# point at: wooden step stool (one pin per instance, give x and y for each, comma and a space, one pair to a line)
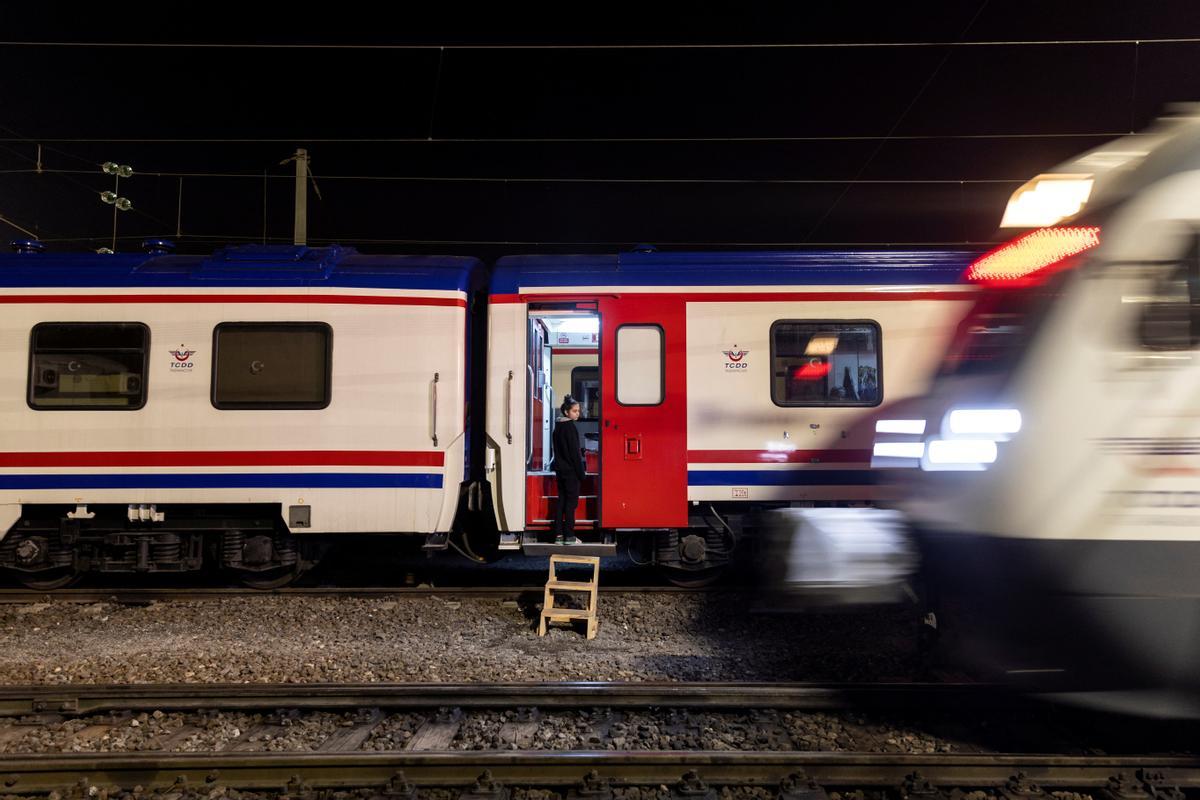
591, 587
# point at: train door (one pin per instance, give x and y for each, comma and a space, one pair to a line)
562, 359
538, 418
643, 428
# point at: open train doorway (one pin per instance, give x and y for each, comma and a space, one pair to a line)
563, 358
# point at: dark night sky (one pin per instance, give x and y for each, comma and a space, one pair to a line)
569, 148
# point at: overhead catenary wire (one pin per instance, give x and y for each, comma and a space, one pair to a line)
40, 169
557, 179
526, 242
442, 48
21, 228
599, 46
426, 140
895, 125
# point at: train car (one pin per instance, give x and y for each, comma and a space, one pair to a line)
160, 412
1056, 504
713, 386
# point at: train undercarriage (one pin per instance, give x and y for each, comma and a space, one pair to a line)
53, 546
50, 547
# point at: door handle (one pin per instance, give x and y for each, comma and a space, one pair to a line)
436, 375
529, 401
508, 405
633, 447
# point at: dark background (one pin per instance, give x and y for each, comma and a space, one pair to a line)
481, 132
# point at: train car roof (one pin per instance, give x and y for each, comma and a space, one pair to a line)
781, 268
248, 265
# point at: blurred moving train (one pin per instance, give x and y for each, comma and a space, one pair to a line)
1057, 500
161, 412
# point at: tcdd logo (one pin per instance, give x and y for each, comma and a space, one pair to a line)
735, 359
183, 358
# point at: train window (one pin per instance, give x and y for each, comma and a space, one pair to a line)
275, 365
639, 365
1170, 318
585, 387
819, 363
84, 366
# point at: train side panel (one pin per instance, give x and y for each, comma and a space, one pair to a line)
385, 455
743, 445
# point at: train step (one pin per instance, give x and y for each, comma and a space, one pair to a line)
532, 547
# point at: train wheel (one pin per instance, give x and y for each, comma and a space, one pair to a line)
50, 580
694, 579
270, 579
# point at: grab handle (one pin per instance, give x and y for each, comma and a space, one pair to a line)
508, 419
529, 439
436, 375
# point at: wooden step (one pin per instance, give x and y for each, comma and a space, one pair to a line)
591, 561
574, 586
568, 613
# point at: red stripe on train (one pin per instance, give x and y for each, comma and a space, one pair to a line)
742, 297
228, 458
335, 299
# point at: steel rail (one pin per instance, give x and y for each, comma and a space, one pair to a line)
132, 596
45, 773
95, 698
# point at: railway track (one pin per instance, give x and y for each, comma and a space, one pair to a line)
431, 756
94, 698
807, 775
134, 596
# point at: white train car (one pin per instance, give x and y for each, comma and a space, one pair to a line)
158, 412
713, 385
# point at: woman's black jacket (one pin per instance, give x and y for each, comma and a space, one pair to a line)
568, 459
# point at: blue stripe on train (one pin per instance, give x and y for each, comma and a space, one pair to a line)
784, 268
789, 477
229, 480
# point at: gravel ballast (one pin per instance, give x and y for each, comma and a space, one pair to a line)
590, 729
297, 639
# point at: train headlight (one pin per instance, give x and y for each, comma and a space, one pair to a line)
960, 454
897, 445
1047, 200
991, 423
969, 437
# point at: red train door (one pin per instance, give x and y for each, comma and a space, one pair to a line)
643, 410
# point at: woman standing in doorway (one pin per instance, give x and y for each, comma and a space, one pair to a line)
569, 469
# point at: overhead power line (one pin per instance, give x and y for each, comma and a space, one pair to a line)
534, 243
291, 140
21, 228
546, 179
639, 46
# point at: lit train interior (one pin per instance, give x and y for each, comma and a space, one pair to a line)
563, 358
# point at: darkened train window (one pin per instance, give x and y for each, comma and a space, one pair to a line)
284, 365
80, 366
585, 387
826, 363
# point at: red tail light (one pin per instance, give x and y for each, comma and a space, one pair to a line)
1028, 260
1016, 293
